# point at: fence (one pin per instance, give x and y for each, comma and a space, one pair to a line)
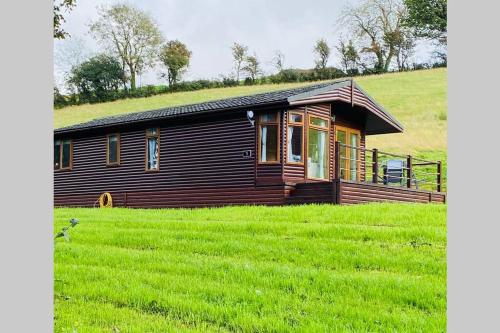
378, 167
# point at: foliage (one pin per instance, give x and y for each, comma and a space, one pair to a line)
131, 34
239, 52
349, 56
175, 57
97, 79
313, 268
405, 48
278, 60
379, 25
428, 18
252, 67
65, 230
59, 100
322, 51
59, 6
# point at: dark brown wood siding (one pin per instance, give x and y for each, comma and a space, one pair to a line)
203, 156
352, 192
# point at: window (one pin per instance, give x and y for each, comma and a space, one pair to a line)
63, 154
317, 148
268, 138
113, 149
349, 156
295, 138
153, 149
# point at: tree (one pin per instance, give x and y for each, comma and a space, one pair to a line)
97, 77
252, 67
379, 25
348, 56
239, 56
132, 35
175, 57
405, 48
279, 60
323, 52
428, 18
59, 6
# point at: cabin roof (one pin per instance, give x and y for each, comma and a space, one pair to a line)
281, 98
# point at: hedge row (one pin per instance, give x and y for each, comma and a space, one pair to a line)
284, 76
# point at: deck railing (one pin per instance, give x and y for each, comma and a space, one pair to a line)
371, 165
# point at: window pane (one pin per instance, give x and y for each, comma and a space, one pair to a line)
57, 154
317, 154
354, 157
295, 118
294, 144
268, 143
66, 154
112, 149
342, 138
268, 118
152, 131
319, 122
152, 153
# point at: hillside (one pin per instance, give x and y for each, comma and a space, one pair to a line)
418, 99
363, 268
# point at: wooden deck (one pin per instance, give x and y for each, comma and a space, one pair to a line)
349, 192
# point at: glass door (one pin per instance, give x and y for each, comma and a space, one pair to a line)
349, 156
317, 148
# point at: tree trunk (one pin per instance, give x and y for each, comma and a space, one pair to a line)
132, 78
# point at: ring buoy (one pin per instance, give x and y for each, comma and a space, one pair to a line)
105, 200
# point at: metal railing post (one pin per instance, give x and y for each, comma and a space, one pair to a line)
439, 177
375, 166
408, 171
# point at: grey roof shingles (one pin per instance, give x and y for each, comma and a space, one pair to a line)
263, 99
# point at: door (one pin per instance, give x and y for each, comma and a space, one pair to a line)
318, 131
350, 160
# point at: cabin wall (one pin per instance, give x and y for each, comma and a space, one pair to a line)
201, 163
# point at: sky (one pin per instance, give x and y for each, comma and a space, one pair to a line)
209, 28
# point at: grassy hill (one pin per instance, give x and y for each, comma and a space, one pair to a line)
417, 99
364, 268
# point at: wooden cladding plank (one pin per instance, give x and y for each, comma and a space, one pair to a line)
197, 153
362, 193
188, 198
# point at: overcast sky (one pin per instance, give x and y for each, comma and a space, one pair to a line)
209, 27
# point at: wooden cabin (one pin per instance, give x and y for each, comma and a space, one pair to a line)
302, 145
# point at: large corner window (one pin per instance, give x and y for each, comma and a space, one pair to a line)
317, 148
113, 149
295, 138
268, 138
152, 149
349, 155
63, 154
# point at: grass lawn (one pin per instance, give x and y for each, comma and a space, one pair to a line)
376, 268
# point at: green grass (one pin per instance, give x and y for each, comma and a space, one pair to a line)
376, 268
418, 99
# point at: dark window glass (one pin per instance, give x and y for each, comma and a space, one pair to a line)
112, 149
57, 154
66, 154
268, 118
295, 118
269, 143
152, 153
295, 144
